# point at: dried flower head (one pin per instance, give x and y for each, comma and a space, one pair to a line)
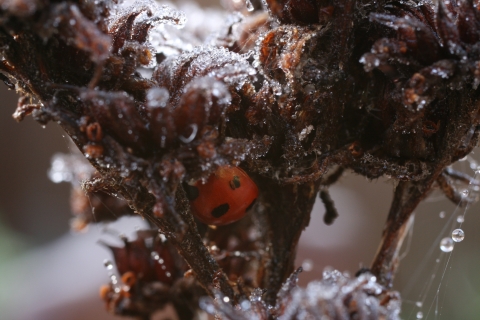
294, 92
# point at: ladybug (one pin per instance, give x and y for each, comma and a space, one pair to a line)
224, 198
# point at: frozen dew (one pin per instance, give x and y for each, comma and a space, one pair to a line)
460, 219
113, 279
157, 97
441, 214
152, 12
108, 264
207, 305
307, 265
305, 132
162, 237
473, 164
69, 168
319, 300
419, 315
245, 304
458, 235
446, 245
59, 171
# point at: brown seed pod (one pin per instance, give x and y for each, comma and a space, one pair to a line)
129, 278
94, 132
356, 149
93, 151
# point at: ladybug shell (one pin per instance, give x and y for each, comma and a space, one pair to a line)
225, 198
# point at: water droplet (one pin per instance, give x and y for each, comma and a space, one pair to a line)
460, 219
419, 304
441, 214
226, 299
465, 193
162, 237
157, 97
108, 264
419, 315
307, 265
168, 274
446, 245
458, 235
154, 255
245, 304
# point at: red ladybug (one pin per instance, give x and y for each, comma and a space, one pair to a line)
225, 198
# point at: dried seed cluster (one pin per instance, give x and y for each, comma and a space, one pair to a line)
294, 92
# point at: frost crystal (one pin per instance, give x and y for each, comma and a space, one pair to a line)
336, 296
69, 168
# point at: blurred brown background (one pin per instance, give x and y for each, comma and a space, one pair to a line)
48, 273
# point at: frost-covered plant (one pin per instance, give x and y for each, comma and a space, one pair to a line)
294, 92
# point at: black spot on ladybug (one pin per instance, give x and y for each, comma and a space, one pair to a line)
191, 191
220, 210
235, 183
251, 204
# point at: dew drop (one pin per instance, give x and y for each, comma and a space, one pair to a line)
419, 315
108, 264
460, 219
162, 237
226, 299
458, 235
154, 255
307, 265
441, 214
157, 97
245, 304
419, 304
446, 245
